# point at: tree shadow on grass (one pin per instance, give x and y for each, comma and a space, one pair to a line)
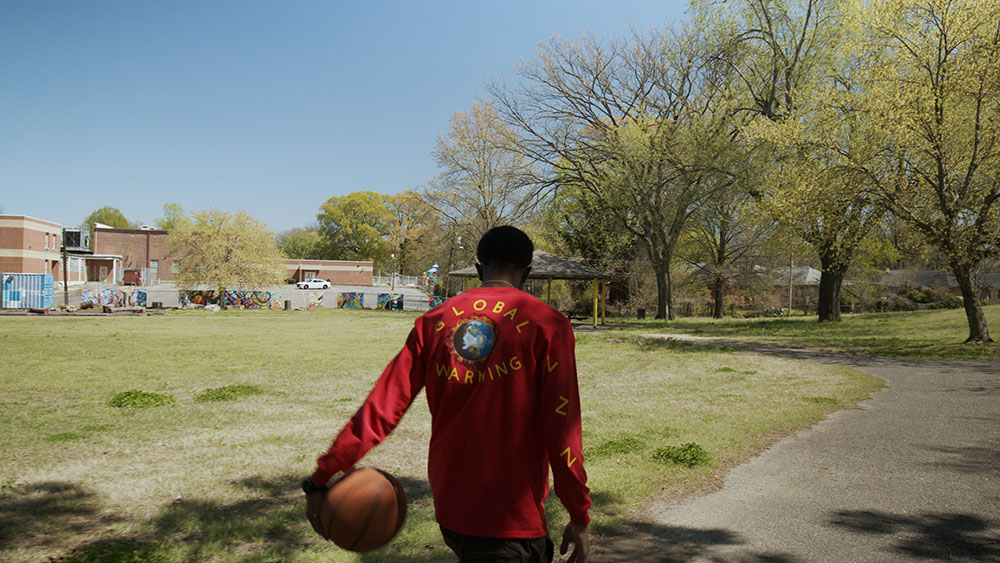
31, 515
937, 536
268, 525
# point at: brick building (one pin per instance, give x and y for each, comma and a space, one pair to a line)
143, 250
30, 246
339, 272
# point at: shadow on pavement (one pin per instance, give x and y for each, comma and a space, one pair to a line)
644, 542
983, 460
937, 536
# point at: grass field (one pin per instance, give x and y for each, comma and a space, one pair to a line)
922, 334
255, 396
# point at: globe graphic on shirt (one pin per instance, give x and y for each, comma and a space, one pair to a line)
474, 340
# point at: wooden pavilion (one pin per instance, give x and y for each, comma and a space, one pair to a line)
546, 266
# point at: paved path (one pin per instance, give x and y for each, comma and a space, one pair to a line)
912, 476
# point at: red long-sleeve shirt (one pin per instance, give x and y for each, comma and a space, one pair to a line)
500, 373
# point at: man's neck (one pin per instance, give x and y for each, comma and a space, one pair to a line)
502, 278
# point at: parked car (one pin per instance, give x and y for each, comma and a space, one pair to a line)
314, 283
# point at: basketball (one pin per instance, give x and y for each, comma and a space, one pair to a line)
363, 510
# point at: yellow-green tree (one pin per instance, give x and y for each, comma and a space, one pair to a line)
224, 251
932, 88
416, 235
173, 217
796, 64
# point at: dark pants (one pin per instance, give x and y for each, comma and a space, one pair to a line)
476, 549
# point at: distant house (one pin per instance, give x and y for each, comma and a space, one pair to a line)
804, 284
989, 284
339, 272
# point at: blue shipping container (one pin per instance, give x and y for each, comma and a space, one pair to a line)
27, 291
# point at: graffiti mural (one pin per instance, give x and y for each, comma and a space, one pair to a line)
199, 297
244, 299
139, 297
436, 300
390, 301
110, 297
351, 300
316, 300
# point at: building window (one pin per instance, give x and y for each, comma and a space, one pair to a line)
175, 266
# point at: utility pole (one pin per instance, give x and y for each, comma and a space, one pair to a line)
65, 272
790, 266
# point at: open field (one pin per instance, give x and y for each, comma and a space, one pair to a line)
81, 480
920, 334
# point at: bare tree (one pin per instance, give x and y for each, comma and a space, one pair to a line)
484, 181
637, 124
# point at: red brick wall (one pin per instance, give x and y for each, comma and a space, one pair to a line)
130, 244
339, 272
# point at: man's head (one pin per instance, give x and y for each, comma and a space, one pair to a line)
504, 253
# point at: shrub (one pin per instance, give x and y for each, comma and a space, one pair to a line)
227, 393
689, 454
821, 400
948, 302
135, 399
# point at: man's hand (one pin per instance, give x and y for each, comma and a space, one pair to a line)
314, 502
578, 536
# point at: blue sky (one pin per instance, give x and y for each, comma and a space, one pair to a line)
270, 107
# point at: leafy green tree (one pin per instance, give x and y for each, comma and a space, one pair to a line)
304, 244
356, 227
107, 215
173, 217
226, 251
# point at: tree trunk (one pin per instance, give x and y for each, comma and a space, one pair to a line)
978, 331
662, 291
720, 298
670, 292
829, 289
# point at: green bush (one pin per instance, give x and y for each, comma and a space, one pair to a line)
948, 302
821, 400
227, 393
621, 445
689, 454
135, 399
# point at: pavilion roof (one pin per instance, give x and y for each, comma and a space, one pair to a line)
545, 265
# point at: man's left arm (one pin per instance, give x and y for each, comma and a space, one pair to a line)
561, 424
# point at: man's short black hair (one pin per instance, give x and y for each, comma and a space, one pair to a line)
505, 246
